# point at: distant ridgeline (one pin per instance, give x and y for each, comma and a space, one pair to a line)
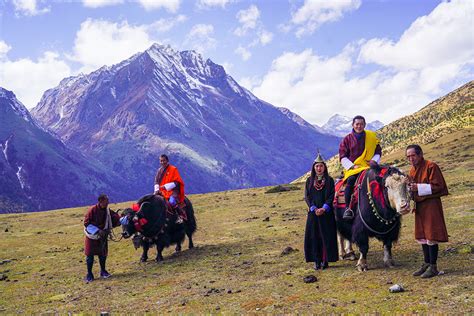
441, 117
118, 120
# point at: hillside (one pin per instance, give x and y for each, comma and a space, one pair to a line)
238, 266
38, 172
218, 134
451, 114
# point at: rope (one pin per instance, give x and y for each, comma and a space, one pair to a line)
365, 224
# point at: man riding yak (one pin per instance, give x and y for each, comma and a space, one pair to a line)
357, 152
168, 183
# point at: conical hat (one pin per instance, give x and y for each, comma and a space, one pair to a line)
319, 158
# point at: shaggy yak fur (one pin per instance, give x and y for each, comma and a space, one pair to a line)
161, 228
357, 230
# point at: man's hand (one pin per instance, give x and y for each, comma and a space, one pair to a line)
373, 164
102, 234
413, 187
354, 167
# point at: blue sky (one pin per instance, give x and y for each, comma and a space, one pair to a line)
382, 59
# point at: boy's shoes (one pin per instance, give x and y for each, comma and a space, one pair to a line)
89, 278
104, 274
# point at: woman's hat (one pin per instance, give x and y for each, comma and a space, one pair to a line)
319, 158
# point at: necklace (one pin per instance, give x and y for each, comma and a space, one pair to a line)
319, 183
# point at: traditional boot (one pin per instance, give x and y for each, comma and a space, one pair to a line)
430, 272
421, 270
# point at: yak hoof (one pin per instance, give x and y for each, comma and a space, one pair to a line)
143, 259
389, 263
159, 259
178, 248
362, 267
191, 246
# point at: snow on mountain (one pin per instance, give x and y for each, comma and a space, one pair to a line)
165, 101
340, 125
38, 172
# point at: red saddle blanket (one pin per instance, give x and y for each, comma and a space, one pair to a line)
339, 200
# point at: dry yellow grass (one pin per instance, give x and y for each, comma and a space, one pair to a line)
237, 266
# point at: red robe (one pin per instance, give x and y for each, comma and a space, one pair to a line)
170, 174
97, 216
429, 218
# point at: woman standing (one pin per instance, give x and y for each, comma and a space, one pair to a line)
320, 241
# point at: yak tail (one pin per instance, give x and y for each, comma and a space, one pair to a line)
191, 224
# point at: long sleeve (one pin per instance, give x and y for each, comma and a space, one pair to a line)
306, 192
436, 180
330, 192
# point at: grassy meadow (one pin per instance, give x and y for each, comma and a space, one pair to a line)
237, 265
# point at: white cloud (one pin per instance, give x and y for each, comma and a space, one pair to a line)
248, 19
243, 52
29, 79
4, 48
409, 73
169, 5
100, 3
442, 38
28, 8
100, 42
314, 13
164, 25
200, 38
213, 3
265, 37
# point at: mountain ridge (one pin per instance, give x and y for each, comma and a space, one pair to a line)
218, 134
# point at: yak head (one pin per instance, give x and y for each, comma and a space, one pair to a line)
128, 226
396, 185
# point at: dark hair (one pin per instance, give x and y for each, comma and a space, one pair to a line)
417, 149
358, 117
313, 173
164, 156
102, 197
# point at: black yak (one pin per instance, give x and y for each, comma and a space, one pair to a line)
382, 198
159, 227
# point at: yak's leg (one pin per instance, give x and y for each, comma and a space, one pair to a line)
159, 253
144, 256
341, 243
178, 246
387, 255
190, 237
364, 249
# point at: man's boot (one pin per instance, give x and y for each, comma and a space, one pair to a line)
430, 272
421, 270
348, 214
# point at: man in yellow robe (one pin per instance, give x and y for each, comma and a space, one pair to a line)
357, 151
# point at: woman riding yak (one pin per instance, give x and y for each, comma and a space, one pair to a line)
320, 241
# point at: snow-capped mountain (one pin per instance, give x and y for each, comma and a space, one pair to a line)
340, 125
217, 133
38, 172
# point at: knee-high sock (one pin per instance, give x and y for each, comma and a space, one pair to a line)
426, 253
90, 263
433, 253
102, 262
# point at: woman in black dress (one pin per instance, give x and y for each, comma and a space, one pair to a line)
320, 240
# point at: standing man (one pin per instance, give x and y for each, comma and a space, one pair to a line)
98, 223
428, 186
169, 184
358, 151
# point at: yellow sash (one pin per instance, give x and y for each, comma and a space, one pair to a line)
371, 142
